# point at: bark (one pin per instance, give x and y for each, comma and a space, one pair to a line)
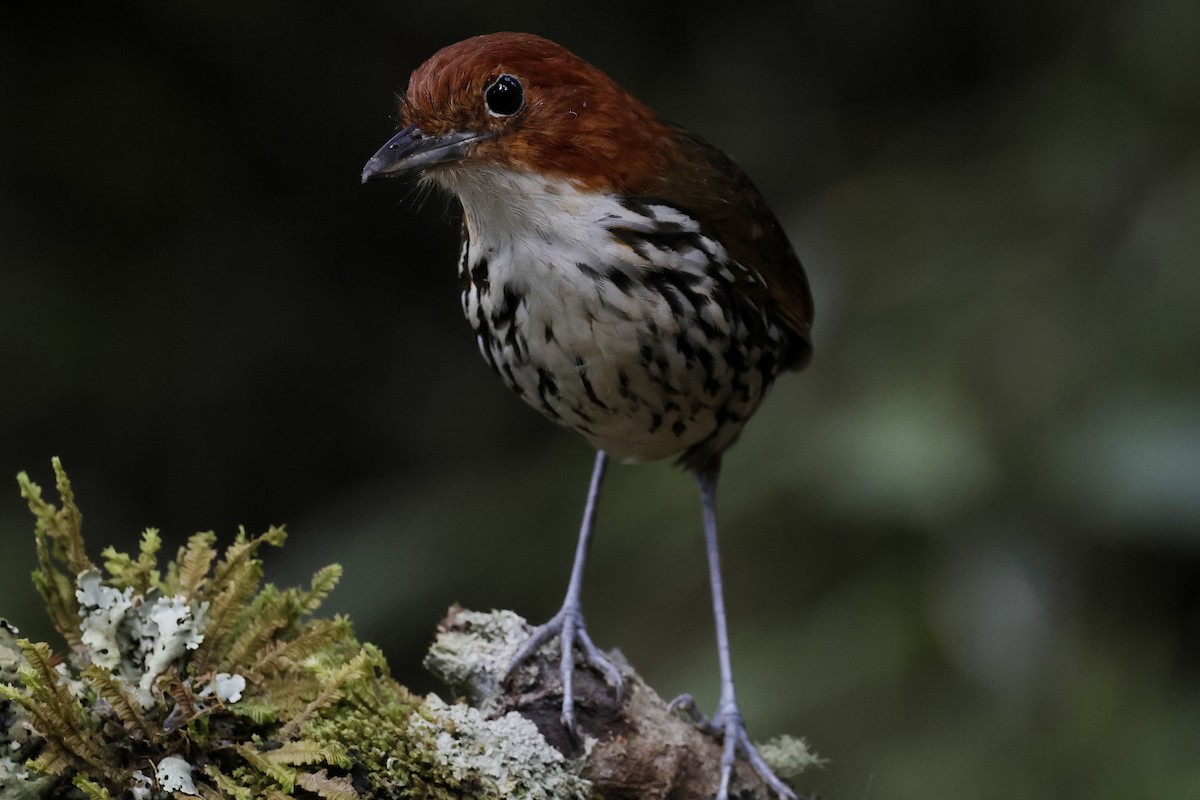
638, 748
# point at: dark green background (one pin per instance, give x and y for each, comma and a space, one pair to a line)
963, 549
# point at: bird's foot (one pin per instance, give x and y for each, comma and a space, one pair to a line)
729, 729
569, 627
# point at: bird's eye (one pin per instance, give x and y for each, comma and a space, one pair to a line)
504, 97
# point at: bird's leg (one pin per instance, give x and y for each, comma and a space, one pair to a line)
568, 623
727, 723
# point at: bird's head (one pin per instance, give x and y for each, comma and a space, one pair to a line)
522, 103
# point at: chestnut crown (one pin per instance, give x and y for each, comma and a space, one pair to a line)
533, 105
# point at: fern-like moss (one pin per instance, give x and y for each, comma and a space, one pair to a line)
193, 678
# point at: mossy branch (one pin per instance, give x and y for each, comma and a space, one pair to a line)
193, 679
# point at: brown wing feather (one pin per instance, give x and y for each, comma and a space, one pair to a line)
706, 182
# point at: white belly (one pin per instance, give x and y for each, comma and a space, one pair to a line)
628, 341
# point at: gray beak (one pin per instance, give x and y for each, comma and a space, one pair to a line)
411, 151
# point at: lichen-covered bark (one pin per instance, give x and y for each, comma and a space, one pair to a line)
639, 749
191, 678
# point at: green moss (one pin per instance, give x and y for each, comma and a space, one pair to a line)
193, 678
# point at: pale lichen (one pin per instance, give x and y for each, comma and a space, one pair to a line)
506, 755
135, 637
168, 628
175, 775
192, 678
228, 688
142, 787
789, 756
471, 655
102, 612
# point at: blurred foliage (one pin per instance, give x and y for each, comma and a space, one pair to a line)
964, 546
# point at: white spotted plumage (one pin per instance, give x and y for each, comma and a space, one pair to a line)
600, 312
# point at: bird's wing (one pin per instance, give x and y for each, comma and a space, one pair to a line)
710, 186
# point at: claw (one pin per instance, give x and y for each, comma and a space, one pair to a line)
602, 664
727, 727
686, 704
569, 627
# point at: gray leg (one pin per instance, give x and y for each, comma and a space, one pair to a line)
727, 722
568, 623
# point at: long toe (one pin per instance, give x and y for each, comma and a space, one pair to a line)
537, 637
602, 664
686, 704
735, 739
568, 626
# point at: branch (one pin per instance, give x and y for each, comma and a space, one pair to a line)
639, 749
195, 680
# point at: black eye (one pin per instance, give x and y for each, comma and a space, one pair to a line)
505, 96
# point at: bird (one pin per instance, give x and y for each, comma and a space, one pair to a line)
622, 275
